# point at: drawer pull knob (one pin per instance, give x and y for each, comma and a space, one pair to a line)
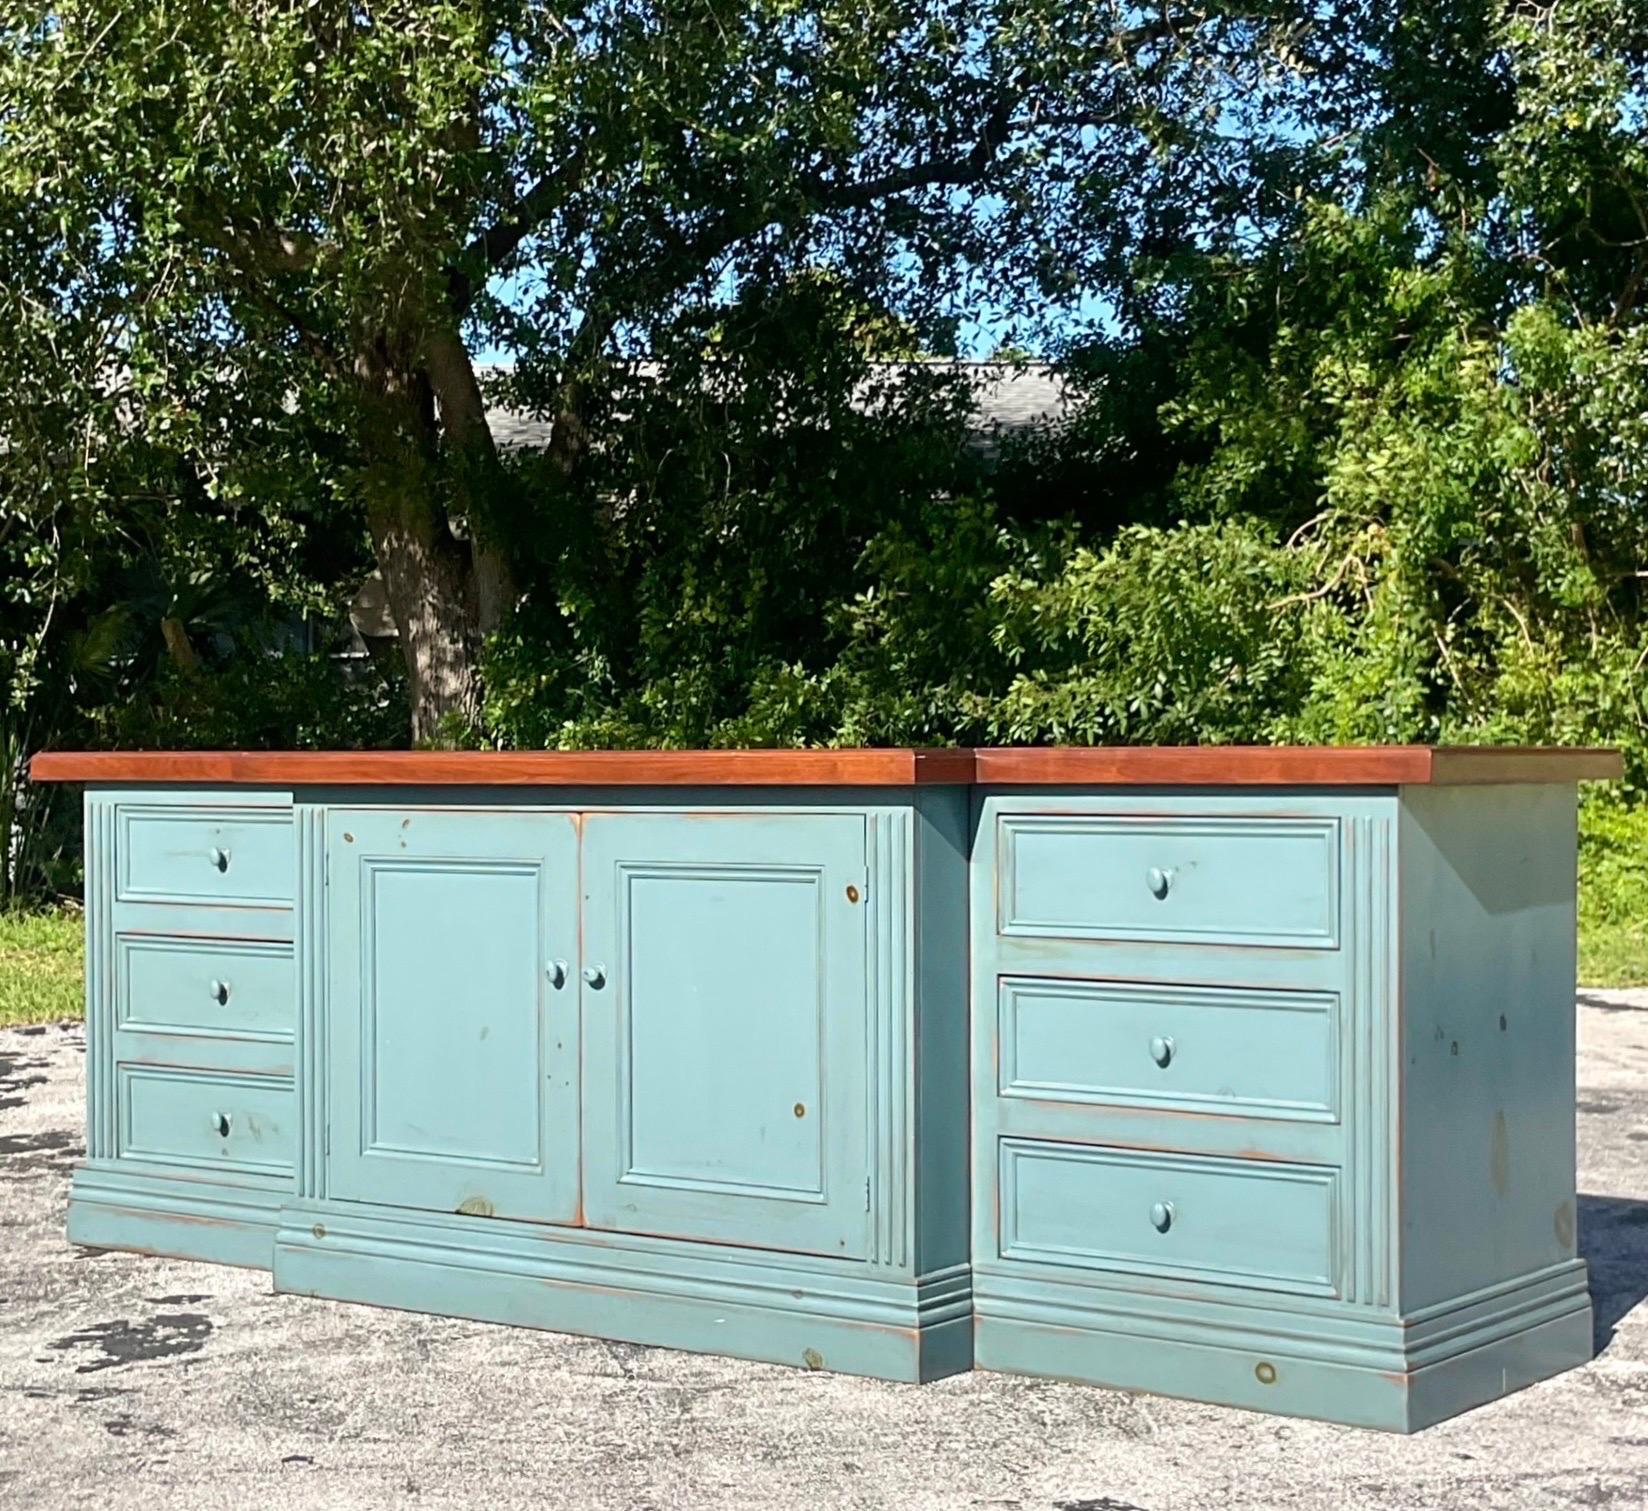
220, 858
595, 976
1161, 1216
220, 992
1161, 1050
220, 1124
1158, 881
557, 972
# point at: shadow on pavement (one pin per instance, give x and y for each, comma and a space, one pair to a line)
1613, 1241
1608, 1004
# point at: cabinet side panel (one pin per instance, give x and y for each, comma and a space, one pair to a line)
941, 970
1487, 887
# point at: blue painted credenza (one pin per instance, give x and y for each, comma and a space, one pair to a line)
1245, 1075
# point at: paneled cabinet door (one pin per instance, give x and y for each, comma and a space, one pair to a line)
725, 1051
453, 1011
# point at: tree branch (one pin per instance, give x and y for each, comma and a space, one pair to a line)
310, 339
494, 246
491, 248
932, 173
265, 249
451, 374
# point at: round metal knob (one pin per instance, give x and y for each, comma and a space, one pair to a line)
557, 972
595, 975
220, 1124
219, 992
220, 858
1161, 1216
1161, 1050
1158, 881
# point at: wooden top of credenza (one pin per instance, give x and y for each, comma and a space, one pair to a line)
1294, 765
1058, 766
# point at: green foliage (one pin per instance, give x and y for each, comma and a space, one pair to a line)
41, 966
745, 475
1399, 523
287, 701
1374, 476
262, 242
1613, 895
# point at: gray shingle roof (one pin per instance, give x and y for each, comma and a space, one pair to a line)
1007, 397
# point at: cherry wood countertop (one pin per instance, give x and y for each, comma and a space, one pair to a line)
1059, 766
1294, 765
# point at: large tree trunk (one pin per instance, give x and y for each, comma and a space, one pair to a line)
475, 458
428, 571
426, 579
428, 509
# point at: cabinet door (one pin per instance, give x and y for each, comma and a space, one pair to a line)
724, 998
453, 1049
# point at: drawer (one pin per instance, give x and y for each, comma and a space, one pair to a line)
215, 854
1220, 1050
1230, 1221
1193, 879
242, 1124
242, 988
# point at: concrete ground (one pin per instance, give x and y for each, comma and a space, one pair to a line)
127, 1381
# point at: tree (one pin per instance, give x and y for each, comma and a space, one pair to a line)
1403, 439
260, 229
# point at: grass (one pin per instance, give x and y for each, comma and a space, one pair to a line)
40, 966
40, 952
1613, 954
1613, 894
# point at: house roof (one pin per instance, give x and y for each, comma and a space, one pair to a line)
1008, 397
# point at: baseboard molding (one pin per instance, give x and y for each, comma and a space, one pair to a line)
188, 1217
698, 1297
1299, 1357
1397, 1374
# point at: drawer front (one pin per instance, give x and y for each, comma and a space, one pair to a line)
242, 1124
241, 988
1270, 881
1237, 1222
237, 856
1214, 1050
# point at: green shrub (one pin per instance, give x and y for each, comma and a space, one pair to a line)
1613, 894
260, 701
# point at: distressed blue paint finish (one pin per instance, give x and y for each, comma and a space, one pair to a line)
231, 855
1232, 1222
1177, 1048
922, 933
1371, 998
724, 1044
214, 1216
1486, 970
191, 1128
239, 1124
1247, 878
452, 1052
757, 1304
1270, 1102
234, 988
731, 1223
